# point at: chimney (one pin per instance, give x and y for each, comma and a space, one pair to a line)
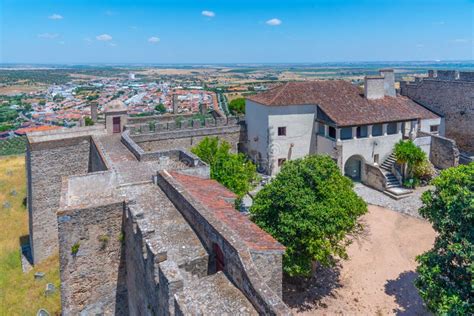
94, 112
374, 87
388, 82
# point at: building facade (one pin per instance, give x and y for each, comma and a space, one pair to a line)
356, 128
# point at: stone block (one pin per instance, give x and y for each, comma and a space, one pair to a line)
184, 124
50, 289
232, 120
221, 121
39, 275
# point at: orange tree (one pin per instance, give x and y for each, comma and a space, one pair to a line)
310, 207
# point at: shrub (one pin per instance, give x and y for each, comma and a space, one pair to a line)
409, 156
424, 171
310, 208
237, 106
445, 272
88, 121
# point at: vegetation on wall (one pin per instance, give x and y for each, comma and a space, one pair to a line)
234, 171
310, 208
446, 271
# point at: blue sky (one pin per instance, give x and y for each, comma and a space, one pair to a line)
226, 31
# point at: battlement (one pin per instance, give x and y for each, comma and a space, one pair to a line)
184, 124
451, 75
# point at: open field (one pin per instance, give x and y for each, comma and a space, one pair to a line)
20, 294
19, 89
377, 279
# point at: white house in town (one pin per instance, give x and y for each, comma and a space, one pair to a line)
357, 128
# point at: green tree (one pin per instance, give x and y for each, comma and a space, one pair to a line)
445, 272
88, 121
160, 108
234, 171
237, 106
310, 208
409, 156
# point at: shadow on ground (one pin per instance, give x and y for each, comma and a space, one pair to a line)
304, 294
406, 295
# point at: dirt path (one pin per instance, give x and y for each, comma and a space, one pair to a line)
378, 277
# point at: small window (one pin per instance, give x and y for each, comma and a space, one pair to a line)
282, 131
377, 130
434, 128
391, 128
376, 158
361, 131
346, 133
332, 132
281, 161
321, 129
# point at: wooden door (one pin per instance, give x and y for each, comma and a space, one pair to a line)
219, 258
116, 124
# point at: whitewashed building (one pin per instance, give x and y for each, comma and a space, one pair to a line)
358, 129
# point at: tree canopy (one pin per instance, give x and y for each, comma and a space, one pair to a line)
237, 106
310, 208
409, 155
445, 272
234, 171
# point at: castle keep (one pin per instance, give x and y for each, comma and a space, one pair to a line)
140, 227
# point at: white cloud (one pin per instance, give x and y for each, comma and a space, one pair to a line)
48, 35
274, 22
420, 45
113, 44
55, 16
104, 37
461, 40
209, 14
153, 40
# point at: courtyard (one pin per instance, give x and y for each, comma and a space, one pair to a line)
377, 279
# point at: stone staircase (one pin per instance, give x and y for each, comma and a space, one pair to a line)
393, 186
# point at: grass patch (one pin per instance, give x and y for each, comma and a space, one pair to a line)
20, 294
13, 146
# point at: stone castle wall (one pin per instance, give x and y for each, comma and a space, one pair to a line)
155, 136
451, 94
258, 274
93, 279
46, 164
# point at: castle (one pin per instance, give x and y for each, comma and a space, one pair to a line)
140, 227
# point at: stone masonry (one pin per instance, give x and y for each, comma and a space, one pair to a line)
142, 230
450, 94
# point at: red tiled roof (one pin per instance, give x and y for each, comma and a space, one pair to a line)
215, 197
23, 131
343, 102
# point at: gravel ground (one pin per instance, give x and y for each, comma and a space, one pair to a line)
377, 279
408, 205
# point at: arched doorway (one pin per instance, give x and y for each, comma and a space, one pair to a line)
353, 167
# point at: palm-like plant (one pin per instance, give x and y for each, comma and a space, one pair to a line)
408, 155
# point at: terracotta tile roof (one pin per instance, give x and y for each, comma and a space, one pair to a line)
216, 198
23, 131
343, 102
